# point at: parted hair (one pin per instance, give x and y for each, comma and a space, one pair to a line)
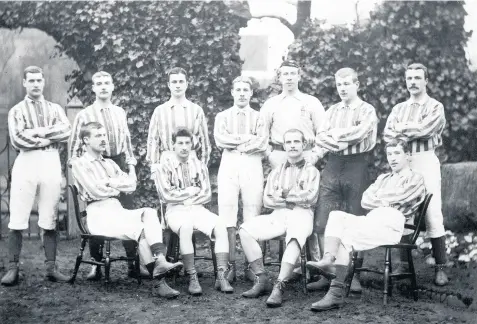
100, 74
181, 132
176, 70
399, 142
32, 69
418, 66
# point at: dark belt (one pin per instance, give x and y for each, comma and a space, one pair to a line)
49, 147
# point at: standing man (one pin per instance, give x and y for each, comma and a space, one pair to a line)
421, 120
292, 191
177, 112
36, 128
292, 109
118, 148
242, 136
349, 135
99, 182
392, 199
182, 181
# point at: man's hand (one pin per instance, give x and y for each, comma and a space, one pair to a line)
43, 142
241, 148
192, 191
132, 172
41, 131
399, 127
335, 133
245, 138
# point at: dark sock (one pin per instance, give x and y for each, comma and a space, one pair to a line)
341, 273
189, 263
257, 267
158, 248
150, 267
49, 243
222, 260
95, 248
439, 249
15, 240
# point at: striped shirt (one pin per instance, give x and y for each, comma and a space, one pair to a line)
300, 111
233, 123
403, 191
297, 182
354, 127
117, 132
423, 124
172, 177
91, 173
29, 114
166, 118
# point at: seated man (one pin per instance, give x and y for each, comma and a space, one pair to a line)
182, 182
291, 190
99, 183
392, 199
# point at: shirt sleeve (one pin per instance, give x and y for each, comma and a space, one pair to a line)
259, 142
122, 181
19, 135
167, 190
433, 122
307, 193
204, 137
88, 185
408, 196
129, 152
205, 193
223, 139
370, 200
356, 134
153, 153
60, 129
74, 142
272, 191
390, 131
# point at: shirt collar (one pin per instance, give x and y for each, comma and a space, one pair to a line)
176, 162
420, 102
95, 105
403, 173
298, 95
31, 100
353, 106
90, 158
183, 104
299, 164
236, 110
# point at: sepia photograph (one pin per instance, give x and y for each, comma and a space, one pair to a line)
238, 161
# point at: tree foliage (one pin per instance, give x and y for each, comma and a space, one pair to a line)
138, 42
398, 33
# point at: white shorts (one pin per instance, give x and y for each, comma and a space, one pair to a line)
35, 171
108, 218
296, 223
381, 226
197, 215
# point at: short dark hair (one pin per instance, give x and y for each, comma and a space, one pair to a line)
295, 130
32, 69
418, 66
86, 129
176, 70
290, 63
243, 79
399, 142
181, 132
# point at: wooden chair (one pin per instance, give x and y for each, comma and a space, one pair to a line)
173, 245
388, 275
304, 256
86, 236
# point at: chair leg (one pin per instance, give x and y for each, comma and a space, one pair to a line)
193, 244
79, 258
137, 265
281, 250
107, 263
214, 259
387, 262
351, 271
413, 275
303, 266
390, 288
